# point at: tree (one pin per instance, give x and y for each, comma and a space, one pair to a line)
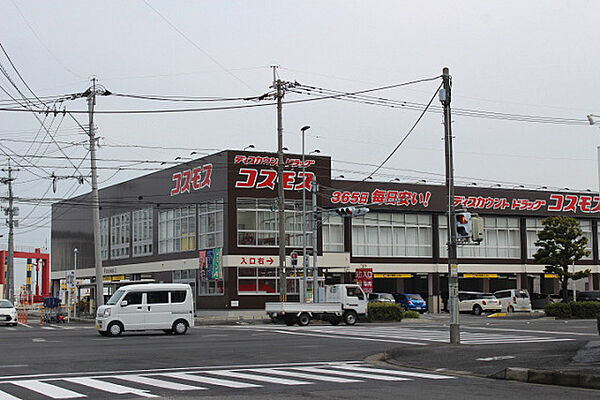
561, 243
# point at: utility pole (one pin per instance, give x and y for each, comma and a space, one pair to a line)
315, 274
277, 84
10, 265
91, 99
445, 98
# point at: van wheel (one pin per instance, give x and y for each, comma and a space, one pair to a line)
180, 327
477, 309
511, 309
350, 317
304, 319
115, 329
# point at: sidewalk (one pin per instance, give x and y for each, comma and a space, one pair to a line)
568, 363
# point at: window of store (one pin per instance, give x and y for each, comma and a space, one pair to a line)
142, 232
263, 280
177, 230
120, 236
210, 224
257, 223
333, 234
104, 238
534, 226
502, 239
392, 235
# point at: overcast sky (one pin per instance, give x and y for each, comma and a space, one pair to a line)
537, 58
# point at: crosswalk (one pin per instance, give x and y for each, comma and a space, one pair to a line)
406, 335
156, 383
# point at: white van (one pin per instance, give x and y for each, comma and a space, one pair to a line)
165, 306
514, 300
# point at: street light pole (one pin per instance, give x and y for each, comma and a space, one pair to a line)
75, 251
304, 259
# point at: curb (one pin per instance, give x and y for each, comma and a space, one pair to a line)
526, 375
547, 377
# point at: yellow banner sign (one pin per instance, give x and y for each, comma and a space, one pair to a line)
550, 276
392, 275
480, 275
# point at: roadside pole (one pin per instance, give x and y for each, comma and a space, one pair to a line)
315, 274
445, 98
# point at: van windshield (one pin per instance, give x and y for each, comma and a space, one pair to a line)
115, 297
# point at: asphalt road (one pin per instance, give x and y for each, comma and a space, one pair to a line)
270, 361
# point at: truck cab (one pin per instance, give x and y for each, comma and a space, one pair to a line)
351, 297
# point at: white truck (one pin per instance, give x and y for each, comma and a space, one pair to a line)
343, 302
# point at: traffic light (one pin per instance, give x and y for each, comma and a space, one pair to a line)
477, 225
464, 227
294, 258
352, 211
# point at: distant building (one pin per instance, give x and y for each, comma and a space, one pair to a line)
212, 222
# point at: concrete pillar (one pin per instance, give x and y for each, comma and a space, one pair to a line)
486, 285
434, 295
399, 285
519, 281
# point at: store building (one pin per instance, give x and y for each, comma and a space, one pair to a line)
212, 222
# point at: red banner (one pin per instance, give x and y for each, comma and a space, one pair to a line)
364, 279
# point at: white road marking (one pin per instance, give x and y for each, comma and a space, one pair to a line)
48, 390
109, 387
531, 331
351, 337
241, 375
391, 372
6, 396
355, 374
157, 382
495, 358
38, 340
302, 375
211, 381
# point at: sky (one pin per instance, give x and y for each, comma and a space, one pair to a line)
535, 58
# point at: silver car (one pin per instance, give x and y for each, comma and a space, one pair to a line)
8, 313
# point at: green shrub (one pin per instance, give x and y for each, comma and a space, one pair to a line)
411, 314
560, 310
585, 309
384, 312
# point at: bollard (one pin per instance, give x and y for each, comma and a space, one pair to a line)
41, 317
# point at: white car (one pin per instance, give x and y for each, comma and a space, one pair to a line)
477, 303
165, 306
514, 300
8, 313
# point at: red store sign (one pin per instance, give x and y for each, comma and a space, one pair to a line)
196, 179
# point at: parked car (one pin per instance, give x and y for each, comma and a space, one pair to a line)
514, 300
539, 300
8, 313
590, 295
381, 298
411, 302
477, 302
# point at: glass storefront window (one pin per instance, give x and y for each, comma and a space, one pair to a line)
392, 235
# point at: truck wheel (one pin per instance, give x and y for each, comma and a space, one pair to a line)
304, 319
289, 320
350, 317
180, 327
477, 309
114, 329
335, 321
